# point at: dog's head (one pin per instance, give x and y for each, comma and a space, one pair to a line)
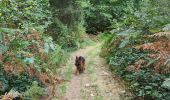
77, 62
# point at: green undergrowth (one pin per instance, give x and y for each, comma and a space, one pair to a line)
91, 63
144, 83
67, 71
86, 42
90, 70
35, 39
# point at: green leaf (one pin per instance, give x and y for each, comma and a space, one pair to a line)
124, 43
148, 87
166, 83
8, 30
3, 48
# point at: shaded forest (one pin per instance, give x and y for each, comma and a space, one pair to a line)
37, 37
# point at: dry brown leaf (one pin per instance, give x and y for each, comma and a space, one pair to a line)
44, 78
7, 97
162, 47
1, 58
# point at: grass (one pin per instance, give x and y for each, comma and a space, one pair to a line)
90, 70
98, 98
68, 72
68, 69
62, 89
91, 73
86, 42
67, 76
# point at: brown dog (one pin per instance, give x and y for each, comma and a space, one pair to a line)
80, 64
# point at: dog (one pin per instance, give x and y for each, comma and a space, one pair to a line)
80, 64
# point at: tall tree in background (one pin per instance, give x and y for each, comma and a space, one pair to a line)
68, 20
145, 15
98, 16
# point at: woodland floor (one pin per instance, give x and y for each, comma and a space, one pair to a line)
97, 83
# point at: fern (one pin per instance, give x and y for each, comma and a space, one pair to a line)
8, 30
166, 83
166, 28
34, 91
3, 48
124, 43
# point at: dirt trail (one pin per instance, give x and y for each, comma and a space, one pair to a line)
97, 83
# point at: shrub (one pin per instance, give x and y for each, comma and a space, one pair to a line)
137, 66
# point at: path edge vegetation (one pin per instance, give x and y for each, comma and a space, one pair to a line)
36, 35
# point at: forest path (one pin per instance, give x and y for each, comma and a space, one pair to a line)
97, 83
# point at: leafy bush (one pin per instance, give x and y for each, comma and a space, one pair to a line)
141, 76
146, 84
97, 16
20, 82
33, 92
26, 53
85, 42
68, 21
148, 16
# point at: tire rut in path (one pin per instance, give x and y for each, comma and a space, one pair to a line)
74, 88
